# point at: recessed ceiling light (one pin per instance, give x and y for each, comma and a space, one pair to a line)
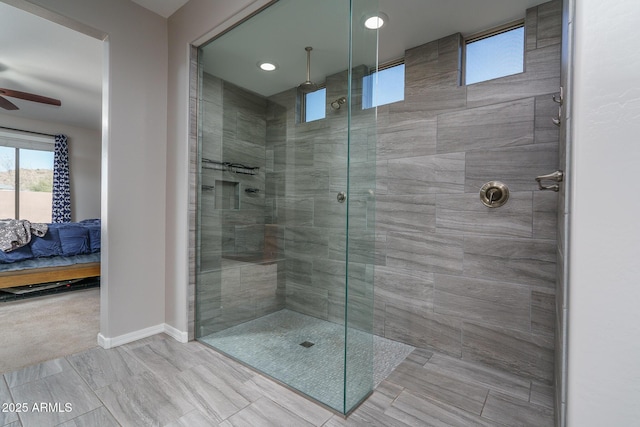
377, 21
267, 66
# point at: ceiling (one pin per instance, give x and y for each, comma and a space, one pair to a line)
41, 57
164, 8
48, 59
281, 32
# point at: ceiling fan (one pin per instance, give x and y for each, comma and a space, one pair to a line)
8, 105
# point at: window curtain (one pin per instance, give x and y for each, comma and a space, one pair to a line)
61, 210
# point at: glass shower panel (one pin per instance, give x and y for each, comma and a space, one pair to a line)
361, 183
284, 277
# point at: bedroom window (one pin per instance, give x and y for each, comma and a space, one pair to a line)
26, 177
496, 53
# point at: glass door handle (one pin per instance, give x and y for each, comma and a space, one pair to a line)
342, 196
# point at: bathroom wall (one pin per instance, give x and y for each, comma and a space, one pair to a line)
236, 282
453, 275
306, 169
450, 274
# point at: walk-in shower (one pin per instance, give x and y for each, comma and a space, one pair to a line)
285, 223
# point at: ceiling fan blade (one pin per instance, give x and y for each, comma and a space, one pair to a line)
7, 105
29, 97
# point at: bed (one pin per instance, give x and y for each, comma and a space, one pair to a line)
67, 251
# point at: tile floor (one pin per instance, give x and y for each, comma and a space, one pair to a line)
160, 382
272, 344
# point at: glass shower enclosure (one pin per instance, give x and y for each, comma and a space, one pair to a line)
286, 181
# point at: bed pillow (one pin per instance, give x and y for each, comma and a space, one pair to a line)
16, 255
48, 245
93, 225
74, 239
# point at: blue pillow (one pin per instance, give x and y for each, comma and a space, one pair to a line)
16, 255
48, 245
74, 239
94, 236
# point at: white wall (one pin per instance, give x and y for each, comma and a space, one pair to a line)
134, 160
192, 24
604, 251
85, 147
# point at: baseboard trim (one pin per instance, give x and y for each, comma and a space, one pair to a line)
106, 342
176, 334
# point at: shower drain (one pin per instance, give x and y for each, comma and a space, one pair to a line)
306, 344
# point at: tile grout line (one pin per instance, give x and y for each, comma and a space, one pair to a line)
90, 388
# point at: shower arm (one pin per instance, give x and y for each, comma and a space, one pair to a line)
308, 49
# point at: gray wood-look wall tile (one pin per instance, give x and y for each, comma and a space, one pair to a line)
545, 215
497, 303
525, 354
546, 110
294, 211
524, 261
365, 247
407, 135
492, 126
549, 25
433, 94
438, 253
423, 328
306, 241
426, 174
328, 274
308, 300
542, 394
510, 411
404, 288
531, 29
543, 320
517, 167
405, 213
465, 213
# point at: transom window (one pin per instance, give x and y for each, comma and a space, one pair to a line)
495, 54
314, 105
384, 86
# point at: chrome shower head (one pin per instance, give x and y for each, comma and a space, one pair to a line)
338, 102
308, 85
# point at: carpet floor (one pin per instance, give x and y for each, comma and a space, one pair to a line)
48, 327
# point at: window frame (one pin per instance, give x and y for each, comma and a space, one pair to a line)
520, 23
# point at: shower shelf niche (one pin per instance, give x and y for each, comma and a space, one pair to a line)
229, 167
